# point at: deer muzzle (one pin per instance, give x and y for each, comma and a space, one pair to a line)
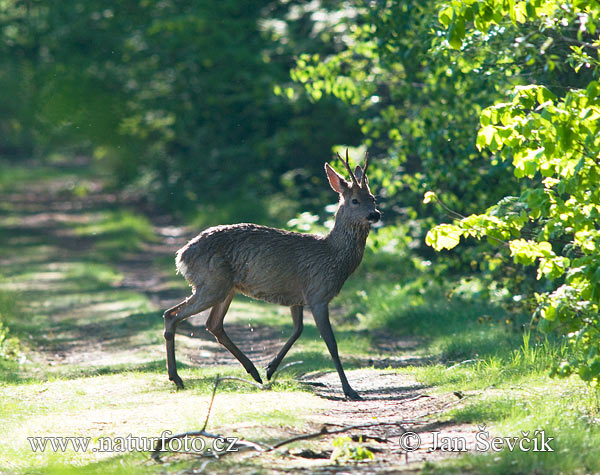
374, 216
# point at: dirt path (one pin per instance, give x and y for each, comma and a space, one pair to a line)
48, 212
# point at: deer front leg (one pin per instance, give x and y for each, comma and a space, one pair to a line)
321, 315
297, 318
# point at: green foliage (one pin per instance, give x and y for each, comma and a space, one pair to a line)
176, 97
552, 142
417, 106
345, 450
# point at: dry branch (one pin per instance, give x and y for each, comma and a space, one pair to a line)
324, 431
241, 444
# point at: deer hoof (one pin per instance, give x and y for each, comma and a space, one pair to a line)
256, 376
270, 371
352, 395
178, 382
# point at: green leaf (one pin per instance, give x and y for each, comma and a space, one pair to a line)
593, 90
445, 16
520, 12
549, 313
545, 95
486, 135
456, 32
429, 196
443, 236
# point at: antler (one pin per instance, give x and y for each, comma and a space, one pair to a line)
364, 173
345, 162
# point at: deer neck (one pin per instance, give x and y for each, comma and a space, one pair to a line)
348, 242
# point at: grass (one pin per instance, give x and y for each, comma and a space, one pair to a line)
520, 405
512, 394
116, 405
117, 232
501, 370
15, 175
120, 397
452, 328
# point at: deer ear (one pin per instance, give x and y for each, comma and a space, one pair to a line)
337, 183
358, 173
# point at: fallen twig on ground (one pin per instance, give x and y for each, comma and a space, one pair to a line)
241, 444
325, 431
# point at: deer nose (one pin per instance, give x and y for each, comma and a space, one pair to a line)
374, 216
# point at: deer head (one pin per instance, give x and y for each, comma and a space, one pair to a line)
357, 204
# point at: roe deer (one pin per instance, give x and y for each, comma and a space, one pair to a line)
282, 267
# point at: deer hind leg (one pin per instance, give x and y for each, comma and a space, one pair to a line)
214, 325
298, 326
196, 303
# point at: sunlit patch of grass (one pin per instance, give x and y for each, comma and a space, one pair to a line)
527, 364
15, 175
63, 309
502, 373
121, 464
67, 303
122, 404
567, 412
452, 329
513, 394
117, 232
73, 276
93, 274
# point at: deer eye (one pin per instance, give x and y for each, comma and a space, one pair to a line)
354, 201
